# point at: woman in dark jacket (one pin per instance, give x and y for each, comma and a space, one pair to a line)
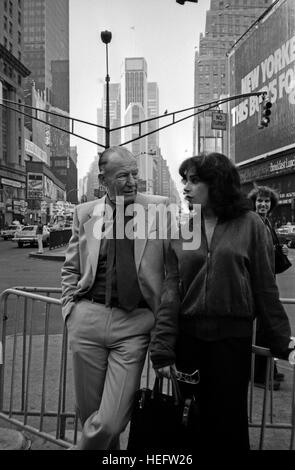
211, 296
264, 201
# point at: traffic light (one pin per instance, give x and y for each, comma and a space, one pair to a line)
264, 113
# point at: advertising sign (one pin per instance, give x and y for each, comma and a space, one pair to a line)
50, 189
16, 206
35, 186
264, 61
13, 183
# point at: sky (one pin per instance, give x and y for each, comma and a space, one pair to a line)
165, 33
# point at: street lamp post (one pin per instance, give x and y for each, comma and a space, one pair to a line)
106, 37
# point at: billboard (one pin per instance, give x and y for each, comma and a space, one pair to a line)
35, 186
264, 61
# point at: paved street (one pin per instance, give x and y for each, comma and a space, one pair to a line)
17, 269
20, 269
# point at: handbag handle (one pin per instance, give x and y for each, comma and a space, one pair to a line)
158, 385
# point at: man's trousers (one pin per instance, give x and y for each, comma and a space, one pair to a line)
109, 348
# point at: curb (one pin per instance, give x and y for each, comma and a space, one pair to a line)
54, 257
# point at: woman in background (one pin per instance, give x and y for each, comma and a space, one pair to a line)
264, 200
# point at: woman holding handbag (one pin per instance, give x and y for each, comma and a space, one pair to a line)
211, 296
264, 200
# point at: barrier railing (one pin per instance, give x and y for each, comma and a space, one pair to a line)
269, 419
59, 238
36, 380
34, 363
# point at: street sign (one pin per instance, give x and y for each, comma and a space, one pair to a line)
219, 120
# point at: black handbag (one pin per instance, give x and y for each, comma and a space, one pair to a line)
282, 262
161, 421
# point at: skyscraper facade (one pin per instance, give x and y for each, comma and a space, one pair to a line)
46, 39
46, 53
134, 108
226, 21
12, 74
115, 115
153, 111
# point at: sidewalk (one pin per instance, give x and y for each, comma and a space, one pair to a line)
57, 254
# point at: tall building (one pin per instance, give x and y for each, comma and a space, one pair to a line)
226, 21
163, 183
46, 53
153, 111
82, 189
12, 149
134, 108
100, 132
115, 115
92, 185
46, 39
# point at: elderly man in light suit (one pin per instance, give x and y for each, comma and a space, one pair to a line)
111, 289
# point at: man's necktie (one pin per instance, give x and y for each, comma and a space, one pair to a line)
129, 294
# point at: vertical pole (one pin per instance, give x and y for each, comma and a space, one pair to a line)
107, 121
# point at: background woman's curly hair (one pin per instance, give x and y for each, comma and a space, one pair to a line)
221, 176
264, 191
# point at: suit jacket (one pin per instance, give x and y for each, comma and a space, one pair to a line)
79, 269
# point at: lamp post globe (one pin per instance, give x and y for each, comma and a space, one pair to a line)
106, 37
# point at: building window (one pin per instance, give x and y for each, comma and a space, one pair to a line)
10, 28
20, 160
19, 80
10, 8
19, 18
5, 23
19, 37
19, 56
20, 142
5, 42
5, 5
10, 47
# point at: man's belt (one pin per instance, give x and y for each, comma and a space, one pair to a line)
114, 302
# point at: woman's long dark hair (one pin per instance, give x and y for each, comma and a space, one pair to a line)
220, 174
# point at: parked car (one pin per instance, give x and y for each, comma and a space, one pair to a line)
8, 233
28, 235
286, 235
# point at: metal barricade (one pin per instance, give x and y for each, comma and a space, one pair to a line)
264, 412
59, 238
36, 380
33, 369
